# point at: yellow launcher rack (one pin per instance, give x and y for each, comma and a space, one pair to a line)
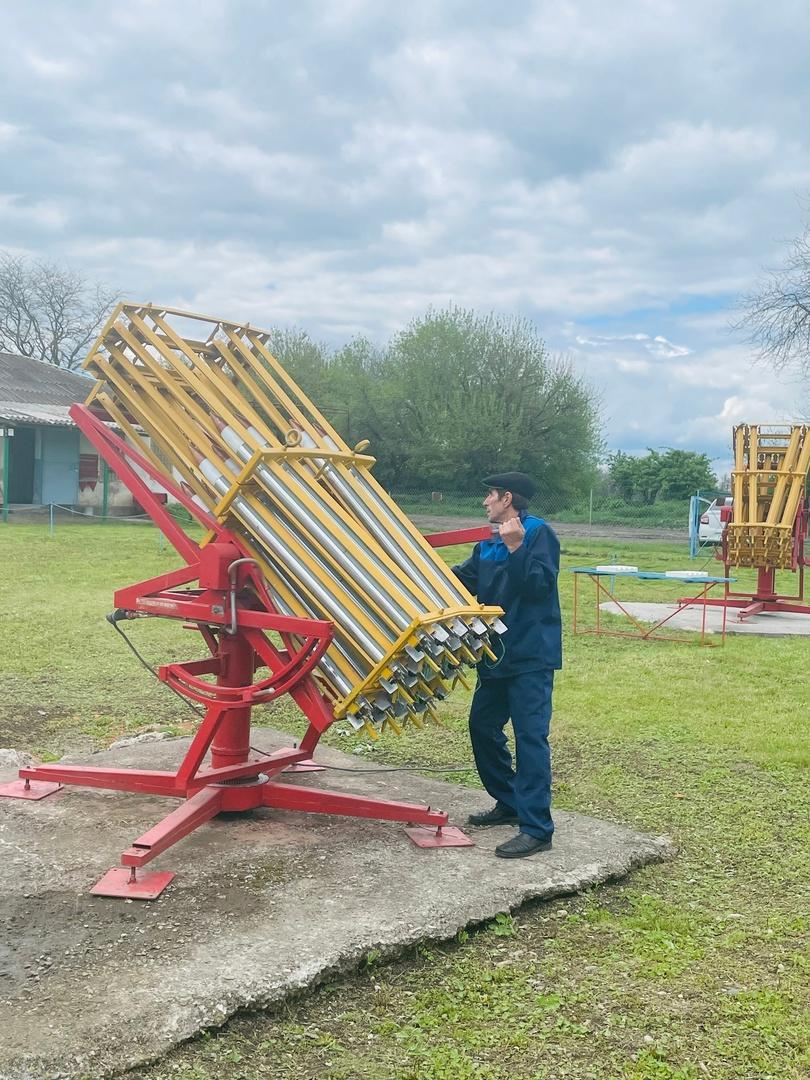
768, 484
207, 399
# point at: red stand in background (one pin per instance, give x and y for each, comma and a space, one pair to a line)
765, 597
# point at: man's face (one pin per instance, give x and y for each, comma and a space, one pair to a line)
498, 506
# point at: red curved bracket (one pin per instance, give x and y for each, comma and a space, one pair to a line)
284, 679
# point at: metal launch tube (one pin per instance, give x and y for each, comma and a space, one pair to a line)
359, 665
301, 413
347, 586
472, 648
334, 674
243, 451
221, 485
353, 659
416, 563
351, 498
353, 656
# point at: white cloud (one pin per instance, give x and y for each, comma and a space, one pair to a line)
658, 346
618, 173
47, 215
739, 409
632, 366
417, 233
49, 67
667, 349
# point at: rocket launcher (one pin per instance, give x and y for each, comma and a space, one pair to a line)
205, 401
771, 463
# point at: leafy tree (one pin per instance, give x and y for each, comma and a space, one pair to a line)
306, 360
649, 477
675, 474
367, 403
49, 312
683, 472
623, 475
310, 365
481, 394
453, 397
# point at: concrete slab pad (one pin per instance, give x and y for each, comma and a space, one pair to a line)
768, 624
263, 905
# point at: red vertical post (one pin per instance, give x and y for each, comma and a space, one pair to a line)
766, 583
231, 744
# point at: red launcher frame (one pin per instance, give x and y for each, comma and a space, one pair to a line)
765, 598
236, 777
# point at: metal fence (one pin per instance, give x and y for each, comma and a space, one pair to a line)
55, 516
590, 510
585, 515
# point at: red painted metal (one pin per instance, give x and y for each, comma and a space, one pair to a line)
28, 789
752, 609
203, 806
439, 837
459, 536
119, 455
318, 801
765, 597
237, 778
124, 882
646, 632
230, 744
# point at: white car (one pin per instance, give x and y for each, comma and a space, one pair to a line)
713, 520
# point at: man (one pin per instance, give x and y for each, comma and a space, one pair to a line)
516, 570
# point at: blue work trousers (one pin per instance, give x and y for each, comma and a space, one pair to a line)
525, 789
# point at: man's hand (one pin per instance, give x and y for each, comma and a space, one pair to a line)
512, 533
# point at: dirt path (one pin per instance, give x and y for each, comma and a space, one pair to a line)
574, 530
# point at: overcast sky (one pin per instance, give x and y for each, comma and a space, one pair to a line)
619, 173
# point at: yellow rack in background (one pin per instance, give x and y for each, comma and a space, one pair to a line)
771, 464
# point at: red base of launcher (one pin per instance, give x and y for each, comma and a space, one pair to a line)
226, 684
25, 789
765, 598
204, 800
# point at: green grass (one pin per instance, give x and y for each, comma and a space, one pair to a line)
696, 968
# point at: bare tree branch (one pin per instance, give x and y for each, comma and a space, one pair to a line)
48, 311
776, 318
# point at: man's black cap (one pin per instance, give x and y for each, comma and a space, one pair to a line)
516, 482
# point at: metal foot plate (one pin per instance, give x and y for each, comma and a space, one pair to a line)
37, 789
148, 884
446, 836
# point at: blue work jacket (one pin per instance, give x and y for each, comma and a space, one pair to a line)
524, 584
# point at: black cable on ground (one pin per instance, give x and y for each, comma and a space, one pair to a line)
114, 623
392, 768
406, 768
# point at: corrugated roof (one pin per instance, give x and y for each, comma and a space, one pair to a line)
11, 412
32, 392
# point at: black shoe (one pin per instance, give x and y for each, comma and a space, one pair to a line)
498, 815
520, 846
